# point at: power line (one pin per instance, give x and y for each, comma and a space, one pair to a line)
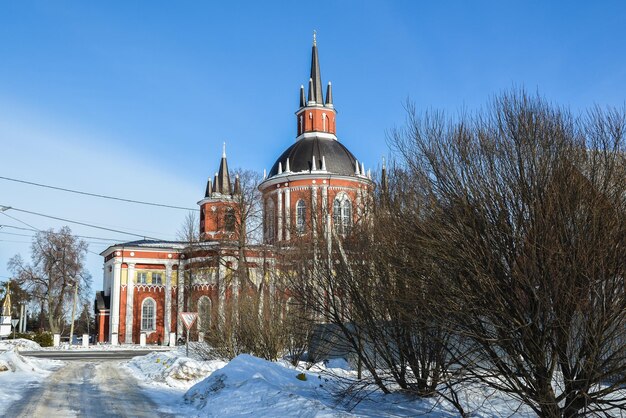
32, 228
37, 230
121, 199
31, 235
77, 223
22, 222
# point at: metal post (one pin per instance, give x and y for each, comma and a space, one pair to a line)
186, 342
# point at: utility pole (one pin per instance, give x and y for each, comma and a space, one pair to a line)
73, 310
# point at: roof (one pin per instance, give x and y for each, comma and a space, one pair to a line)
152, 243
102, 302
338, 159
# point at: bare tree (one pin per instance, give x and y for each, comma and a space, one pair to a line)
527, 229
57, 265
189, 235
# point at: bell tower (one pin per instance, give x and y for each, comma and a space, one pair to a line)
220, 216
316, 114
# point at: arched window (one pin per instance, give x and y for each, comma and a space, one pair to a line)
337, 214
346, 215
204, 314
300, 216
148, 315
342, 214
229, 220
324, 122
269, 221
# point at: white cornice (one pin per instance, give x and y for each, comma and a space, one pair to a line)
316, 134
319, 106
312, 175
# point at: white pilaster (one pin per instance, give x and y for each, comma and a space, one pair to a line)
115, 302
180, 294
167, 315
221, 290
325, 211
130, 290
314, 210
279, 213
287, 214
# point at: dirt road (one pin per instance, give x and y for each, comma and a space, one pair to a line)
87, 389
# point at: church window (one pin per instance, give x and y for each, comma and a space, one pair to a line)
300, 216
342, 214
142, 277
337, 213
229, 220
157, 278
148, 315
204, 314
324, 122
346, 215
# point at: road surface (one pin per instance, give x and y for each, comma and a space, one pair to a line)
87, 389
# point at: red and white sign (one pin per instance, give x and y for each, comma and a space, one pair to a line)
188, 318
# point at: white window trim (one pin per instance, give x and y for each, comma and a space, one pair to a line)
154, 315
339, 219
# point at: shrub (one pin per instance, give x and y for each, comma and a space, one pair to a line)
44, 339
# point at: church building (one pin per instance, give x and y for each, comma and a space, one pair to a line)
316, 186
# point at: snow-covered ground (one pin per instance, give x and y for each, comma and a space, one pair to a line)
248, 386
19, 343
18, 374
107, 347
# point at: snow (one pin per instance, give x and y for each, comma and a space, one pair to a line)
20, 343
249, 385
172, 369
107, 347
18, 374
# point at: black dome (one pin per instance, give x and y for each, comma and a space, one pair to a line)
337, 157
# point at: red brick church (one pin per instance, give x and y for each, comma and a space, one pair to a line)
316, 185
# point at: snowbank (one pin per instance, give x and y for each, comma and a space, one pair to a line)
21, 343
252, 386
172, 369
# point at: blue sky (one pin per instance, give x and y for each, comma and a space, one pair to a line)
134, 99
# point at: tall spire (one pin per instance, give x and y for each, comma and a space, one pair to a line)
302, 99
316, 76
223, 179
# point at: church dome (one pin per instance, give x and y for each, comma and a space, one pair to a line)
337, 159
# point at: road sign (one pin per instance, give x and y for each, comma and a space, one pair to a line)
14, 322
188, 318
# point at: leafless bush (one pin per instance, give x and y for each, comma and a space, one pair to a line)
527, 229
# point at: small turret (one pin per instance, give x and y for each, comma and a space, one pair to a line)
383, 177
209, 188
329, 95
237, 188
